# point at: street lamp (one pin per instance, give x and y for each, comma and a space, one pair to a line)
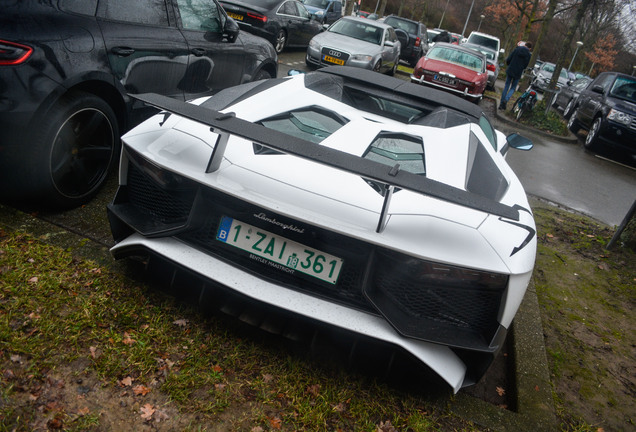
579, 44
468, 17
481, 18
443, 13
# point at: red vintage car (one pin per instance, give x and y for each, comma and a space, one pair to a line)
455, 69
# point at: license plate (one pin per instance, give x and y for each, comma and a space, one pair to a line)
235, 16
445, 80
333, 60
278, 251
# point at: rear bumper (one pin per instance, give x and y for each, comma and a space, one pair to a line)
440, 359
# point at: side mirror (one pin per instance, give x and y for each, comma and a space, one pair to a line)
231, 30
389, 43
518, 142
598, 89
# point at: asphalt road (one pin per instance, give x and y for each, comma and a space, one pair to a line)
559, 171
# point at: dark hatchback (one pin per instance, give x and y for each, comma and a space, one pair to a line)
67, 67
413, 37
285, 23
607, 110
567, 97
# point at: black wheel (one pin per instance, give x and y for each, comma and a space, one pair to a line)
516, 107
520, 109
573, 123
394, 68
74, 149
554, 100
261, 75
281, 41
377, 66
569, 109
591, 141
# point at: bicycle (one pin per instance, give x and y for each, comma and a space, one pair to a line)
524, 103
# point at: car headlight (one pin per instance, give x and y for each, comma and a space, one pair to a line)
362, 57
319, 13
619, 117
314, 45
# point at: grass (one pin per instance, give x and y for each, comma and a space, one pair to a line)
148, 359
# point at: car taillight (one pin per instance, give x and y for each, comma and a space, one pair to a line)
417, 42
533, 93
12, 53
491, 67
257, 17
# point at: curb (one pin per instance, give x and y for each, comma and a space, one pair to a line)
570, 139
533, 403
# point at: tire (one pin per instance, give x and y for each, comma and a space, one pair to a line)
281, 41
262, 75
520, 110
378, 66
569, 109
76, 146
392, 71
553, 103
573, 123
516, 107
591, 141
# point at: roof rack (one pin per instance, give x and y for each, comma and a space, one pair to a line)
226, 125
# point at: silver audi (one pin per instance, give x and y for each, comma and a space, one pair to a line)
356, 42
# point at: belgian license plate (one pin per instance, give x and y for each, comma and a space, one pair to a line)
445, 79
333, 60
235, 16
279, 251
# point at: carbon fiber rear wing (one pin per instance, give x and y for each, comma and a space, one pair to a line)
226, 125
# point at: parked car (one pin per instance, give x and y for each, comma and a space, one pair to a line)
325, 11
566, 99
606, 108
285, 23
355, 201
456, 38
357, 42
543, 76
363, 14
453, 68
484, 39
431, 33
67, 67
412, 36
492, 62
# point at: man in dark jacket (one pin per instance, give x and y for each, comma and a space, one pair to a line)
444, 36
517, 61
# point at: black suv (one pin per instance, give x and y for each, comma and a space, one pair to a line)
412, 36
607, 109
67, 67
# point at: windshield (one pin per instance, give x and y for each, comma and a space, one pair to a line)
624, 88
409, 27
458, 57
484, 40
357, 30
320, 4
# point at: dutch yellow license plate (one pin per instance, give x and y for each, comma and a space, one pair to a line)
235, 16
333, 60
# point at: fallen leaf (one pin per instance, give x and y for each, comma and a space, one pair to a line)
268, 378
501, 391
536, 388
95, 270
83, 411
386, 427
257, 429
160, 416
314, 389
141, 390
180, 322
127, 339
340, 408
93, 351
275, 422
217, 368
603, 266
126, 382
34, 279
16, 358
147, 411
549, 235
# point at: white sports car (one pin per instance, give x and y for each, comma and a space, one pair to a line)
350, 198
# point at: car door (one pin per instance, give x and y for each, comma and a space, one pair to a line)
214, 61
592, 102
390, 51
289, 18
146, 51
